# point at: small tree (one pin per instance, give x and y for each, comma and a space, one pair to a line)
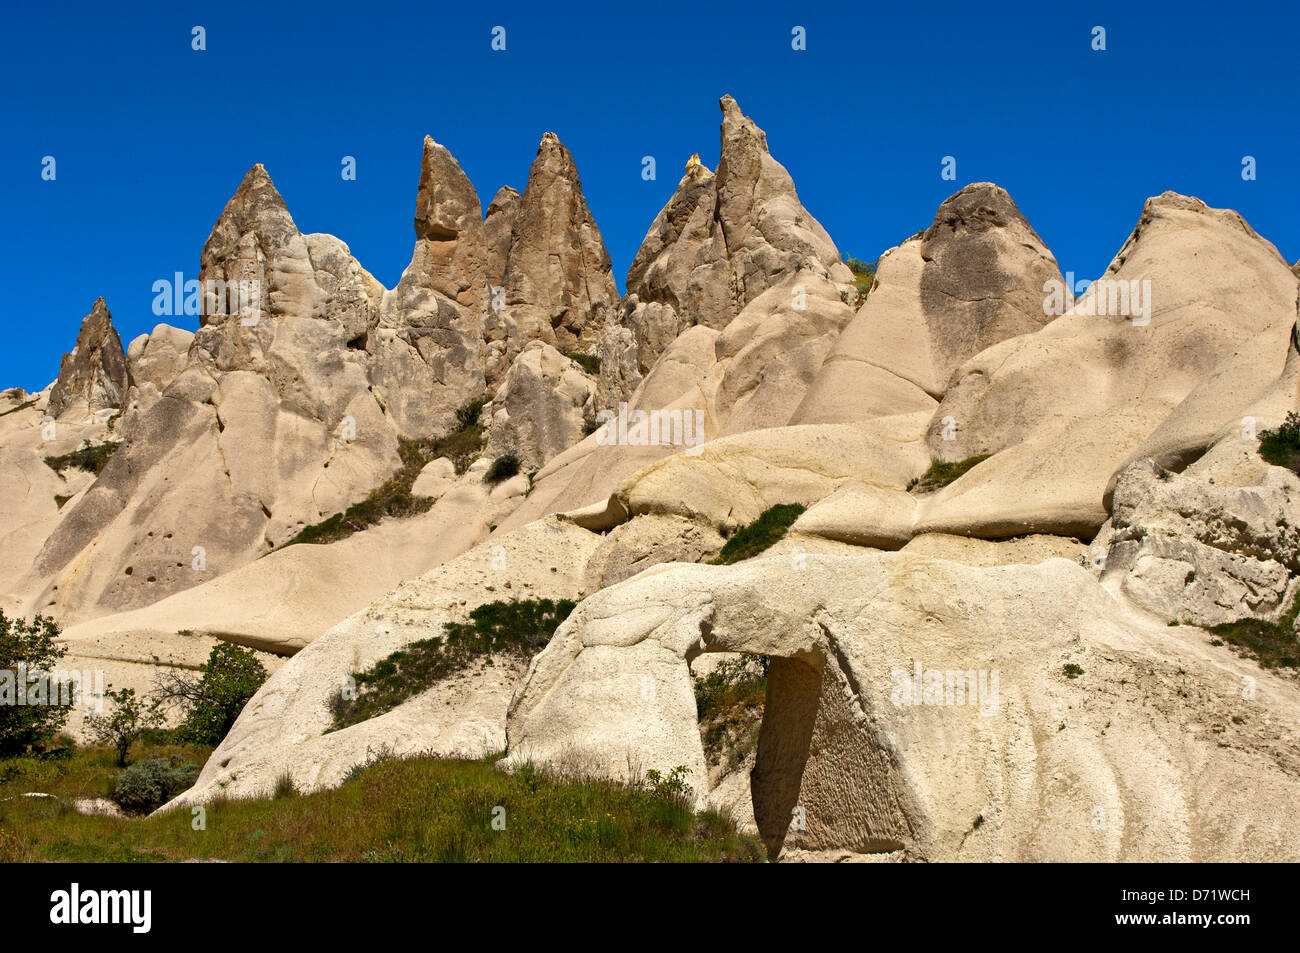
131, 718
212, 702
27, 650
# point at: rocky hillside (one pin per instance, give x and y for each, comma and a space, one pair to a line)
999, 603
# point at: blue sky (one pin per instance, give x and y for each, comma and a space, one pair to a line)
151, 138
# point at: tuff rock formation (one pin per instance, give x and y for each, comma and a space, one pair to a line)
721, 241
559, 288
93, 375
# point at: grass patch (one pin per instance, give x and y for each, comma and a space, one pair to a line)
14, 410
1281, 447
941, 474
393, 498
418, 809
520, 629
89, 458
759, 535
729, 703
1071, 670
1272, 644
588, 362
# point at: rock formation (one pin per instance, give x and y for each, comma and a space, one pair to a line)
94, 375
721, 241
559, 288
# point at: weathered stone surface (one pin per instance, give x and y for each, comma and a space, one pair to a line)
190, 494
1011, 767
1192, 550
93, 375
1062, 409
559, 288
498, 228
426, 352
720, 242
541, 406
974, 278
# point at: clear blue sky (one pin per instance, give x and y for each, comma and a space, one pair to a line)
151, 138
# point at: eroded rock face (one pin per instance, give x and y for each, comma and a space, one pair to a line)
540, 409
559, 287
900, 719
190, 494
426, 353
498, 229
1062, 409
1195, 551
721, 241
94, 375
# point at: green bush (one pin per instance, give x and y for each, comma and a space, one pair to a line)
1272, 644
1281, 447
213, 699
729, 703
941, 474
669, 787
520, 629
91, 458
130, 718
588, 362
152, 782
759, 535
393, 498
503, 468
1072, 670
32, 646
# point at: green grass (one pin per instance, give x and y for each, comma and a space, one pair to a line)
393, 498
729, 703
520, 629
419, 809
1281, 447
765, 531
941, 474
1272, 644
588, 362
23, 406
90, 458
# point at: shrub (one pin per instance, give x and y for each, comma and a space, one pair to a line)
213, 700
393, 498
152, 782
131, 717
760, 534
503, 468
1071, 670
941, 474
91, 458
1281, 447
520, 629
1272, 644
669, 787
588, 362
729, 703
32, 646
